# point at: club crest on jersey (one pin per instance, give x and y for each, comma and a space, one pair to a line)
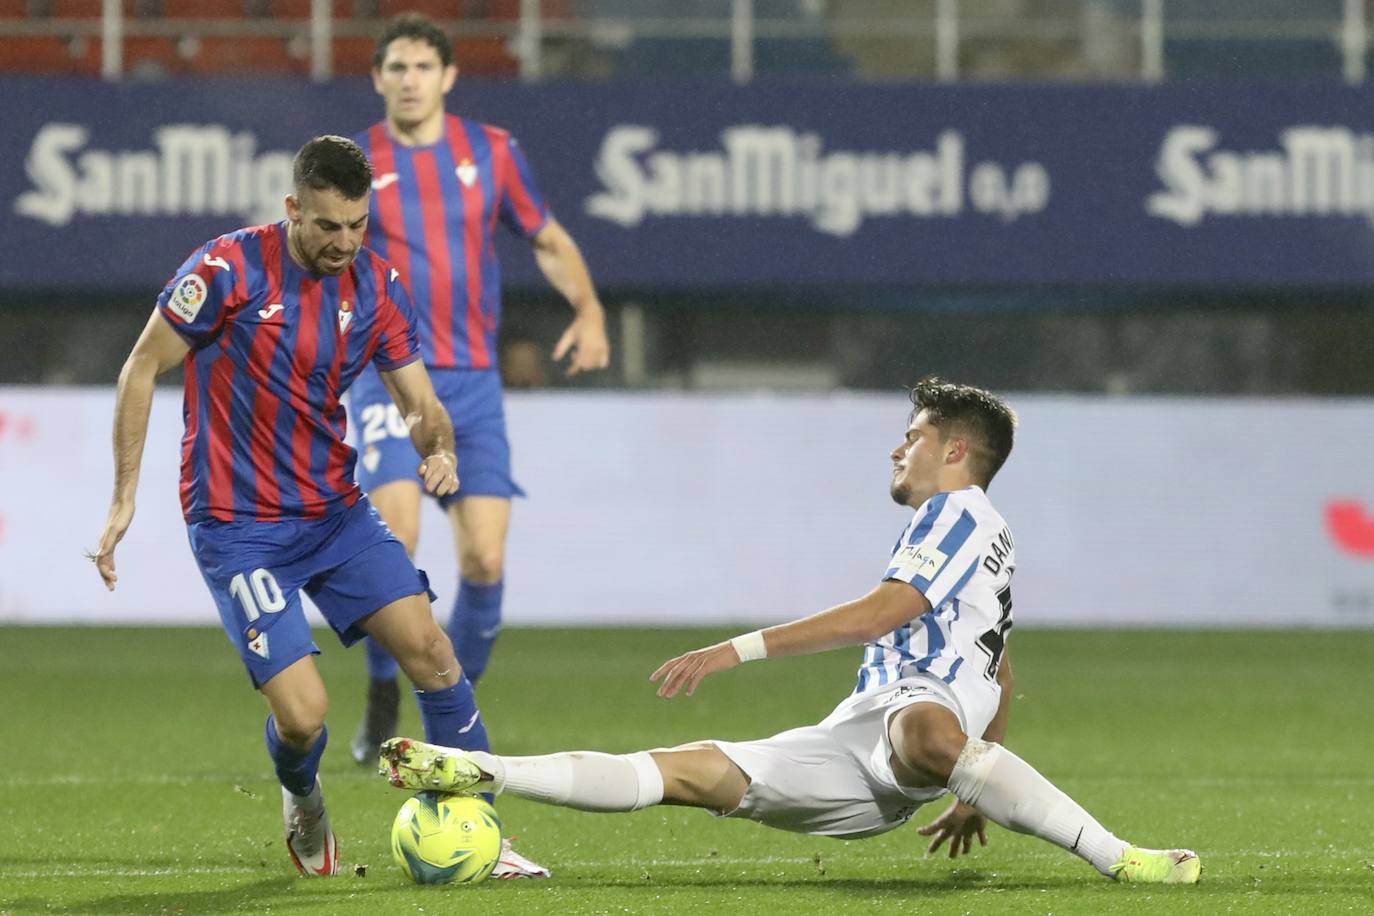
466, 172
257, 643
187, 297
345, 316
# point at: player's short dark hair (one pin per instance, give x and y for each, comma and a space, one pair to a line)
417, 26
981, 416
333, 162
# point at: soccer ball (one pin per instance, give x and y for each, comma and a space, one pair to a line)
443, 839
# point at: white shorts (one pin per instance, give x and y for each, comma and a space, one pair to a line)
835, 778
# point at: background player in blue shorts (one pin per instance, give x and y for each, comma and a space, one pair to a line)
442, 182
272, 324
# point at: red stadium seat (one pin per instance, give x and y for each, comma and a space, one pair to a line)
434, 9
485, 57
158, 53
46, 54
82, 9
301, 9
353, 55
238, 56
549, 9
201, 9
13, 9
476, 56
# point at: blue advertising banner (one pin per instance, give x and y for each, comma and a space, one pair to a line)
694, 186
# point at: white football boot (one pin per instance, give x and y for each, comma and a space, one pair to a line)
309, 838
513, 865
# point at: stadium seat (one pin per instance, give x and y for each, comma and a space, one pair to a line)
49, 54
83, 9
238, 56
301, 9
485, 57
549, 9
434, 9
476, 56
201, 9
353, 55
14, 9
151, 55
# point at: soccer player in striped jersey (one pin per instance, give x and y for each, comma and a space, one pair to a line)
442, 185
927, 717
271, 324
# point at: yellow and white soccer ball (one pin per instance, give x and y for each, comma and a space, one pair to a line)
446, 839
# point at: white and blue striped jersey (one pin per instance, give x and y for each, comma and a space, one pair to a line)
958, 551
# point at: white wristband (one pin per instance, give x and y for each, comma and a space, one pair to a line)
750, 646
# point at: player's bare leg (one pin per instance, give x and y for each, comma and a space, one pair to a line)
296, 739
398, 503
406, 629
930, 749
700, 775
697, 775
480, 525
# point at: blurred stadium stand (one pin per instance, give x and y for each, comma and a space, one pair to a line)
168, 38
1113, 339
631, 39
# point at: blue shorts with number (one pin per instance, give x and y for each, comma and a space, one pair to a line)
472, 398
348, 563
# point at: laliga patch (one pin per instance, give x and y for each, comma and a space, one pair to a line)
345, 316
918, 560
188, 296
466, 172
258, 644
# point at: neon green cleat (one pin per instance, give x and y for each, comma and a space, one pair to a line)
410, 764
1158, 866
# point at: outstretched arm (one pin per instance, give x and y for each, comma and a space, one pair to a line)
561, 262
431, 430
853, 623
158, 349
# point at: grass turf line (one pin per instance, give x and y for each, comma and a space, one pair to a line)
136, 780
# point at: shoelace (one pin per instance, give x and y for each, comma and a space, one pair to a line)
305, 829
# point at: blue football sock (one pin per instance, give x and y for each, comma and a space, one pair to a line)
380, 665
474, 625
296, 770
451, 717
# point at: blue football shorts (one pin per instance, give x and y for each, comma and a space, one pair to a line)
472, 398
348, 563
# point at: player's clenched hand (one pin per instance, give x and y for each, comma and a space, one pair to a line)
959, 824
121, 515
440, 473
686, 671
585, 338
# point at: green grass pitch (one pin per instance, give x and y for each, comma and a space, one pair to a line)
135, 779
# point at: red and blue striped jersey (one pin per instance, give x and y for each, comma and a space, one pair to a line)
273, 347
434, 213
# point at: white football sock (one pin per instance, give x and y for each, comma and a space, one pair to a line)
314, 802
586, 780
1009, 791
